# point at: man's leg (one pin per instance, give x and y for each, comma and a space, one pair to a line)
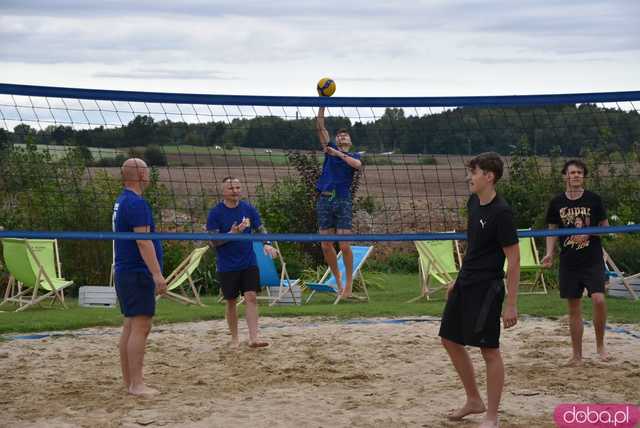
576, 329
140, 327
251, 313
462, 363
599, 323
124, 359
232, 321
495, 383
347, 256
331, 257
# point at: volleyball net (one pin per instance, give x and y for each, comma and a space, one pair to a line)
61, 150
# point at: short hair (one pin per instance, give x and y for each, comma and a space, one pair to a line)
229, 178
342, 131
488, 162
574, 162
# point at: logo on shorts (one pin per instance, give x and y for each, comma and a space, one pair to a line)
575, 415
483, 223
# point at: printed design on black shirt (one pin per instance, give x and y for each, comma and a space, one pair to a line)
483, 222
576, 217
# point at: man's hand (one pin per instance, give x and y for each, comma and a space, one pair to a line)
333, 152
509, 315
450, 288
270, 251
547, 260
239, 228
161, 284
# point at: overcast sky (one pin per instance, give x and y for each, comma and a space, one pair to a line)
371, 48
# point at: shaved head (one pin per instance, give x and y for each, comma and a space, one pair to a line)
135, 173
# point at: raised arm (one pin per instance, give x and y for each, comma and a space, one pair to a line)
323, 134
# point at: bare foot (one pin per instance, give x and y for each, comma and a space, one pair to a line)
258, 344
143, 391
489, 424
234, 344
574, 362
469, 408
604, 355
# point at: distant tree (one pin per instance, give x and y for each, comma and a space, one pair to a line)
155, 156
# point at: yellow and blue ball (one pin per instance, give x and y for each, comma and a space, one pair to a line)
326, 87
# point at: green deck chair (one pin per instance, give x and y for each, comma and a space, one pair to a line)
530, 263
437, 263
182, 275
34, 265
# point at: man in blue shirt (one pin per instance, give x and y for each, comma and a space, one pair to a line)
138, 273
237, 267
334, 207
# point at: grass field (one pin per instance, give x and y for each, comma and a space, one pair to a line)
59, 151
387, 301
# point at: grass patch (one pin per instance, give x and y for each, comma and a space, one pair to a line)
386, 301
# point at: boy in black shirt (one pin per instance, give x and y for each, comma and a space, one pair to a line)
581, 263
472, 314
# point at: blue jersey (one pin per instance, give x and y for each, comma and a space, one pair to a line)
234, 256
129, 211
336, 174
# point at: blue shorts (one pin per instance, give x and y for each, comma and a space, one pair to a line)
136, 293
334, 212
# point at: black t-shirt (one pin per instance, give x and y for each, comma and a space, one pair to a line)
586, 211
489, 228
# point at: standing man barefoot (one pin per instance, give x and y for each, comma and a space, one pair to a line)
471, 316
334, 207
581, 262
138, 273
236, 262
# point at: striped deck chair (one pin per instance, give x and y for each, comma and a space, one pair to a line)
181, 276
34, 266
530, 263
437, 264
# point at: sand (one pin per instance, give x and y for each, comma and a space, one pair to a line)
317, 373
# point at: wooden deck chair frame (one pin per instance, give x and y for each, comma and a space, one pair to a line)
535, 267
21, 296
611, 266
356, 274
186, 267
285, 284
434, 265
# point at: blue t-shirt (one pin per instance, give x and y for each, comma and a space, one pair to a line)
336, 174
129, 211
234, 256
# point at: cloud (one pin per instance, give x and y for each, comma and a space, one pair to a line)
165, 73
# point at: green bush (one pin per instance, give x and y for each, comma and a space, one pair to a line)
396, 262
40, 193
624, 249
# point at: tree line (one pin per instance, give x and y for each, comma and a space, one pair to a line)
569, 129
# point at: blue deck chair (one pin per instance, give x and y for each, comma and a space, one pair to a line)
327, 283
276, 285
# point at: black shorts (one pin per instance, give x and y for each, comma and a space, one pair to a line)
472, 314
136, 293
573, 281
241, 281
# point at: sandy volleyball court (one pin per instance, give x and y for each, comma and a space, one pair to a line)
318, 373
